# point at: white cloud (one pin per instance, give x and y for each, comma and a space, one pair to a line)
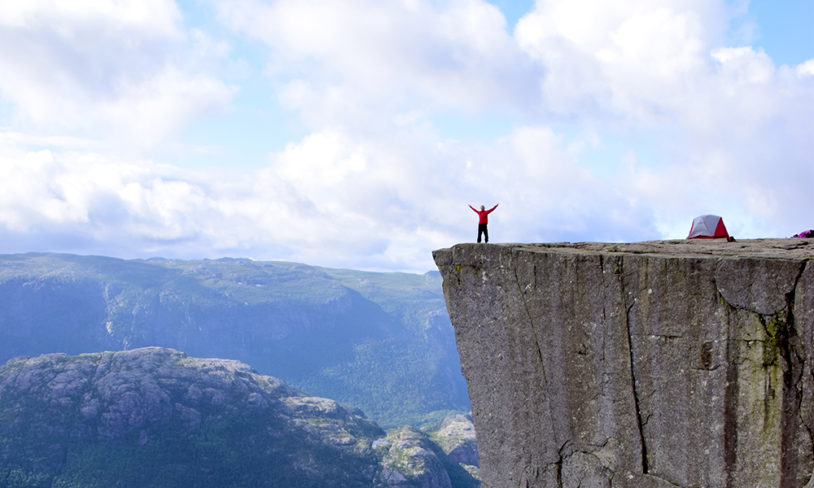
806, 69
139, 208
366, 57
124, 69
146, 15
633, 59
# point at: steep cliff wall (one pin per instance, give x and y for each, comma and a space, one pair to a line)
657, 364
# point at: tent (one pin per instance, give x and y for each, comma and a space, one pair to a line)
805, 234
707, 227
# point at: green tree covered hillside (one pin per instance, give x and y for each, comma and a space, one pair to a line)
378, 341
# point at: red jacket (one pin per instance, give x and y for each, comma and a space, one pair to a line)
483, 215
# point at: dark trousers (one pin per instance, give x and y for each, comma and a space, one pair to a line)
483, 230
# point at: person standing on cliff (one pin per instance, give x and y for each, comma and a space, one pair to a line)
483, 220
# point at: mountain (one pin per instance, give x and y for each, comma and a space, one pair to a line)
379, 341
160, 418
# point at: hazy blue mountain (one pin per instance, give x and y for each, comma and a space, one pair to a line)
379, 341
156, 417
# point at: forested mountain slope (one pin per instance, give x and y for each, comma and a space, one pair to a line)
379, 341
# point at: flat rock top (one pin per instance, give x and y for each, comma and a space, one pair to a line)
792, 248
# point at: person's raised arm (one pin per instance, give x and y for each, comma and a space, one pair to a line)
490, 210
473, 208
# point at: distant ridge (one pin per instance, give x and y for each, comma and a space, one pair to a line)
379, 341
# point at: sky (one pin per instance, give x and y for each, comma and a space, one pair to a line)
355, 133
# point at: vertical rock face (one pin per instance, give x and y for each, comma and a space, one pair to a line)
658, 364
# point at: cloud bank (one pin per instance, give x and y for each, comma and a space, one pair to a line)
585, 121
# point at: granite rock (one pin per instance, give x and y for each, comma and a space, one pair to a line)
654, 364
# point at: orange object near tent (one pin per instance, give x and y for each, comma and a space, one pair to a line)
708, 227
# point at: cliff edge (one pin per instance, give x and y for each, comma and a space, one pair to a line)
653, 364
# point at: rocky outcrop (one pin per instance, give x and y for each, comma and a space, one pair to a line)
157, 417
456, 437
440, 457
409, 460
656, 364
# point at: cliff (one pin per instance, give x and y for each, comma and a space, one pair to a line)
655, 364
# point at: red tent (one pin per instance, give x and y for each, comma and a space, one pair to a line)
707, 227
